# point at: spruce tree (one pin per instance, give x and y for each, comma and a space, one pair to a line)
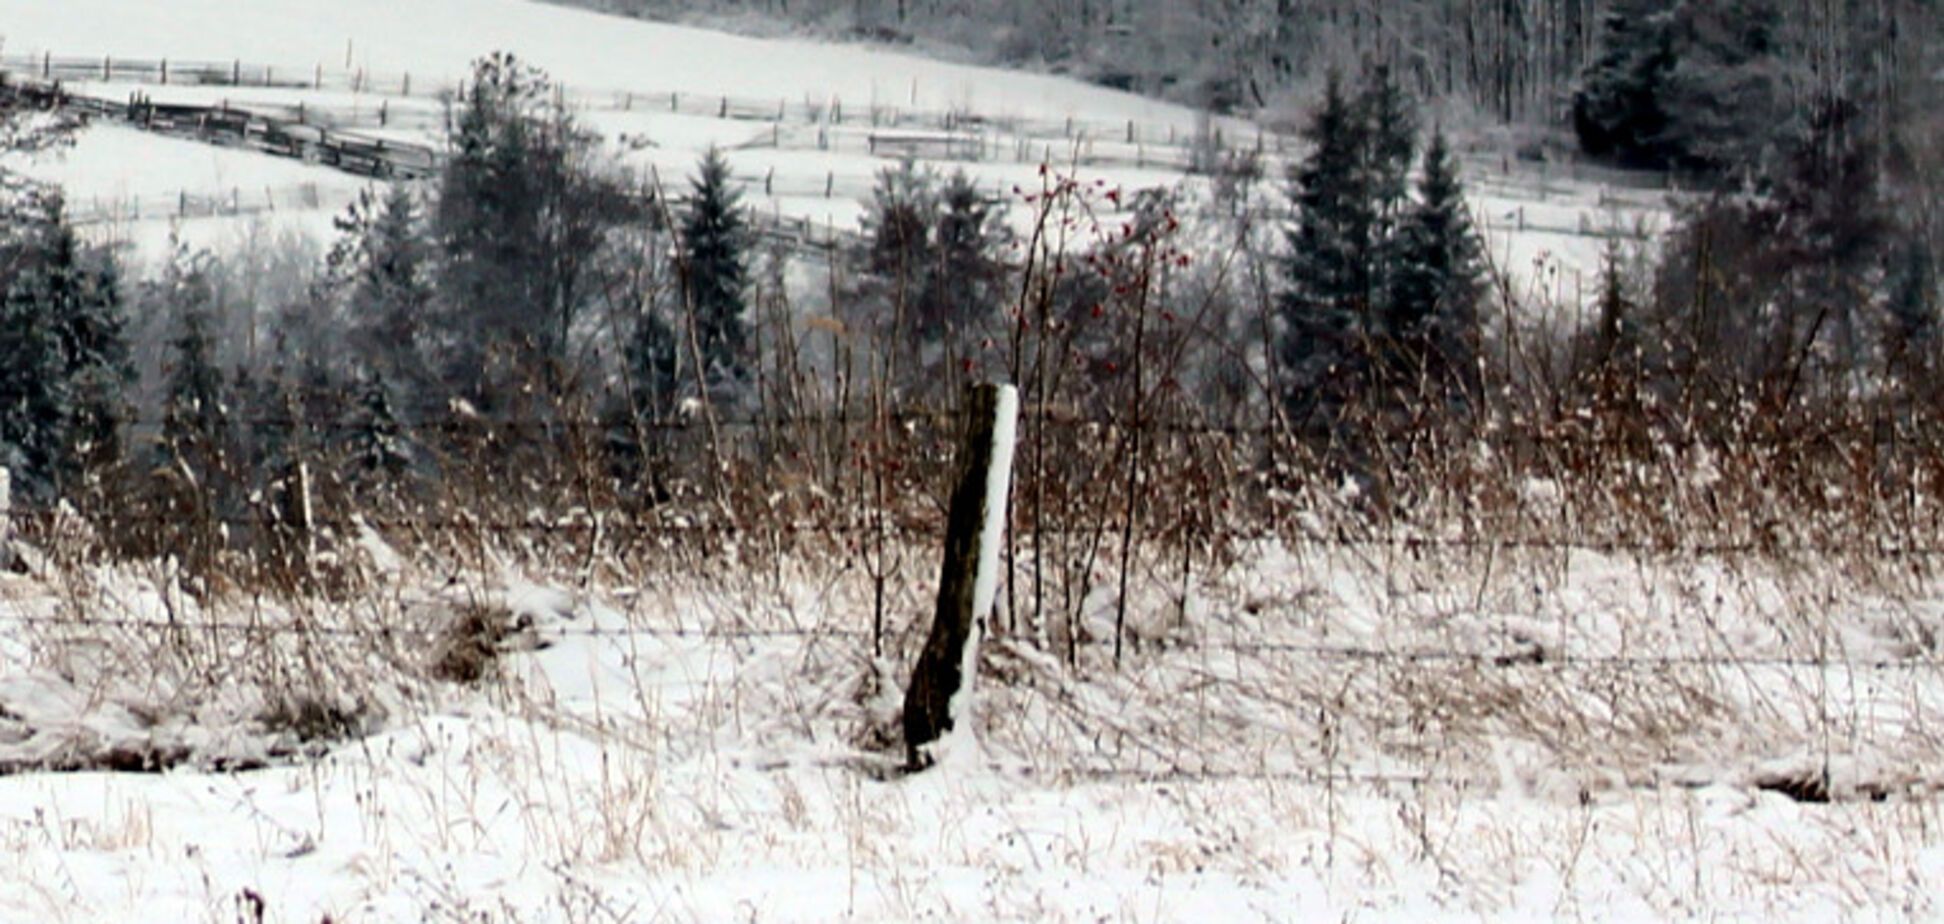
1326, 309
1698, 86
381, 263
1389, 129
63, 357
98, 369
195, 411
898, 226
520, 226
34, 398
654, 358
714, 241
1618, 109
895, 262
489, 214
377, 447
1614, 310
964, 280
1433, 303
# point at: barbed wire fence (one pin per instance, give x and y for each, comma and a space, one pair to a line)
1406, 542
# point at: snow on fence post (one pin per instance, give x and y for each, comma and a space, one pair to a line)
939, 695
6, 519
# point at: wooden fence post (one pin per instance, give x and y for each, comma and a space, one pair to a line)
6, 519
969, 576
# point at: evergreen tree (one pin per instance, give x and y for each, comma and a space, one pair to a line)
376, 445
1433, 303
34, 399
382, 264
64, 355
1691, 85
1618, 108
1911, 306
654, 367
714, 241
195, 410
964, 281
1613, 337
491, 205
1327, 307
98, 368
1389, 130
654, 357
522, 223
896, 259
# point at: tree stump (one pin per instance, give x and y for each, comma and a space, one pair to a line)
968, 577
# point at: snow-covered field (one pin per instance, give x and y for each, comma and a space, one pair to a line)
619, 72
1320, 734
1314, 732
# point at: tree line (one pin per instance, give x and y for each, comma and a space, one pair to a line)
541, 327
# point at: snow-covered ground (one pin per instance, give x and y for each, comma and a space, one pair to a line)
1312, 733
436, 40
1542, 228
1321, 734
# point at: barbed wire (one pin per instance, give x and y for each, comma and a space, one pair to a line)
1522, 661
342, 416
906, 525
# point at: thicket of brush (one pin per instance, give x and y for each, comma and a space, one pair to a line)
539, 357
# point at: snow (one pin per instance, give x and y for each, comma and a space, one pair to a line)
1312, 731
1542, 229
684, 748
436, 40
130, 186
961, 742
